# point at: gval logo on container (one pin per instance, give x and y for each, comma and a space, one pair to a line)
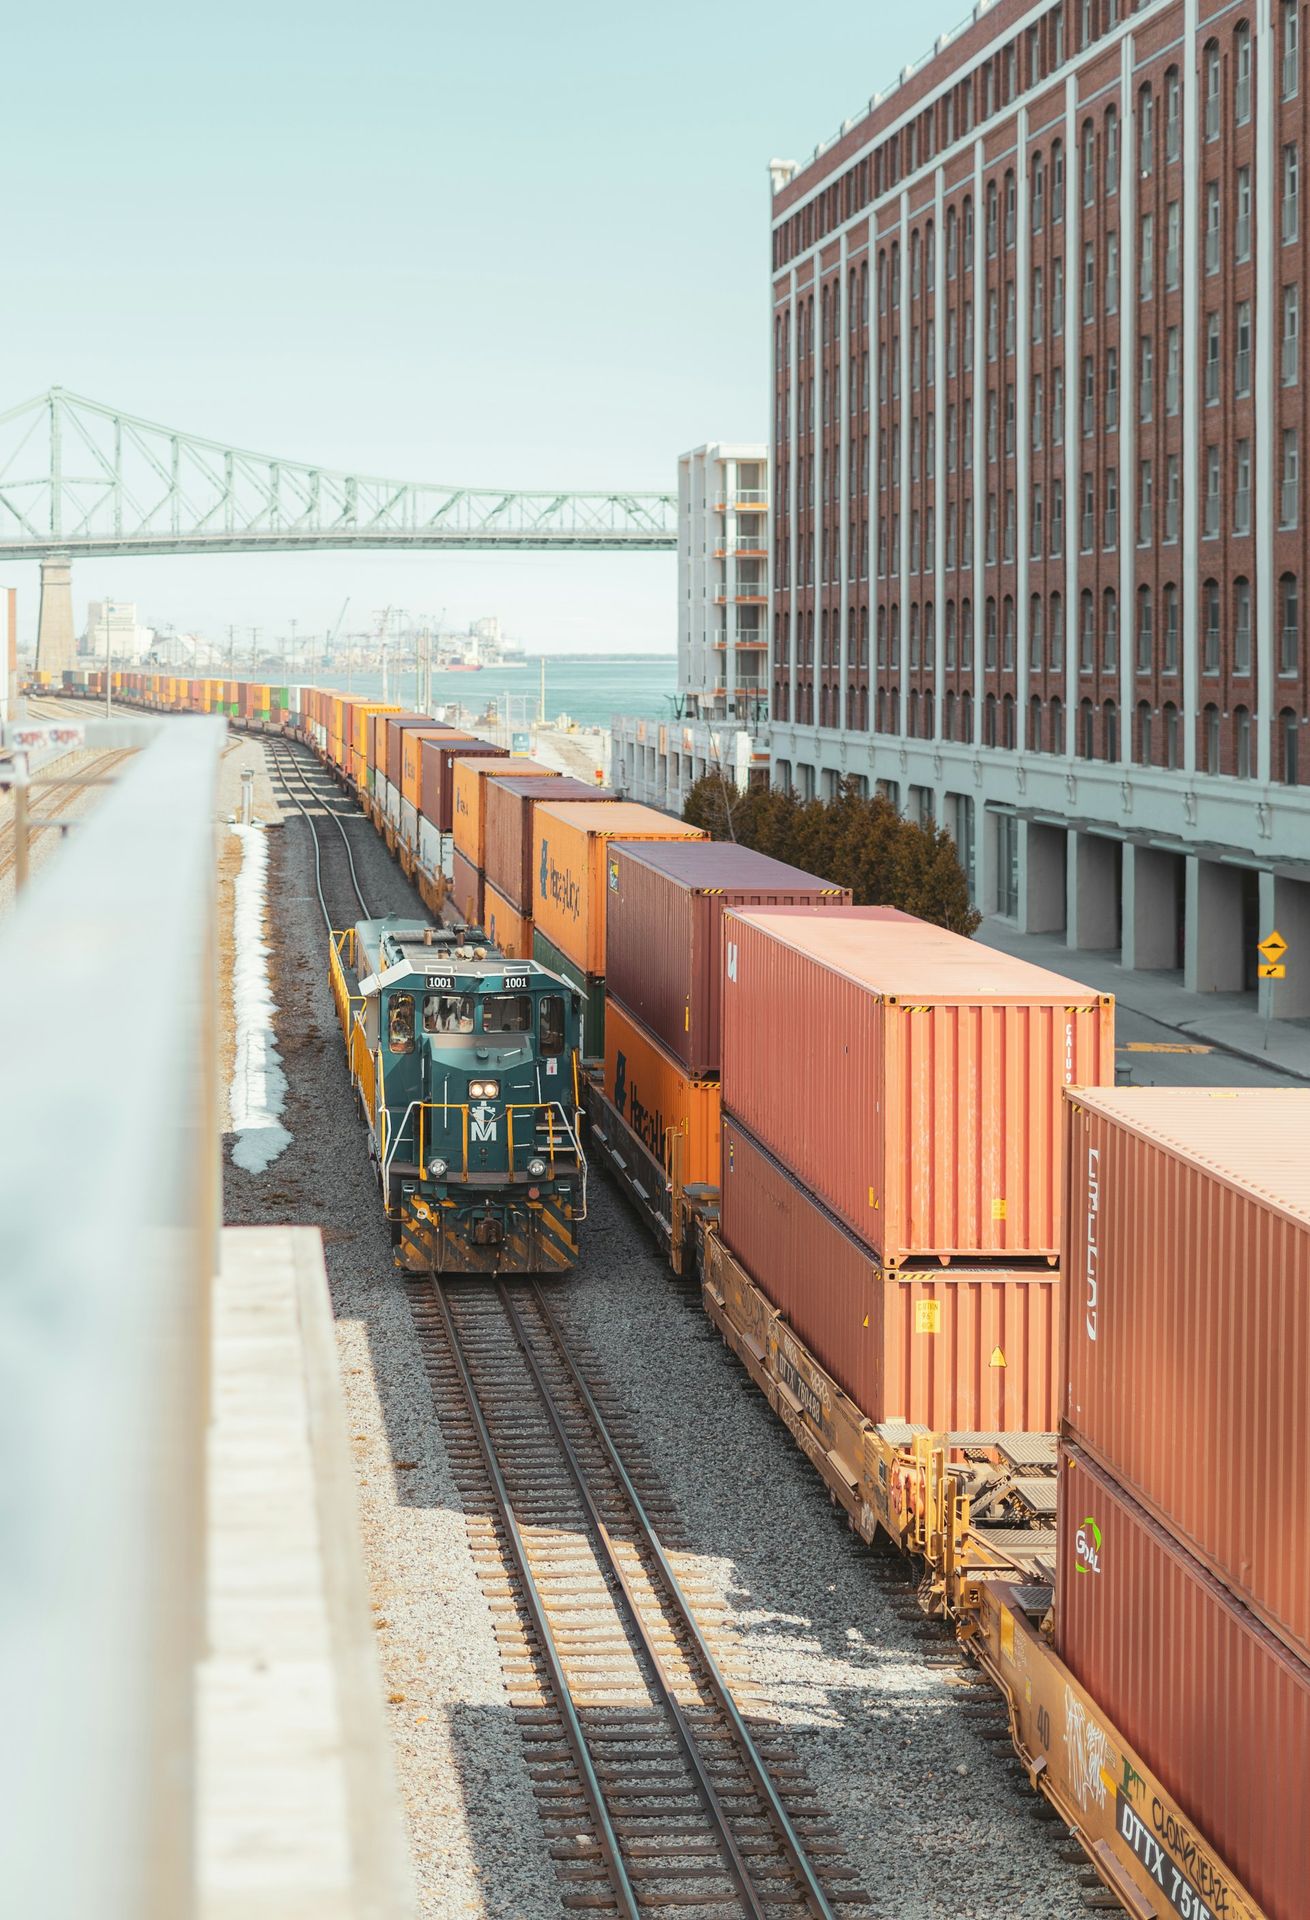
1087, 1547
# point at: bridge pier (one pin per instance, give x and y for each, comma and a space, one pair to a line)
56, 647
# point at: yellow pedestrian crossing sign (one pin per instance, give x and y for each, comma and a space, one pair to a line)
1273, 946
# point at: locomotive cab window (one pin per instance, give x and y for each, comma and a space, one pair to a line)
552, 1025
448, 1013
507, 1013
400, 1023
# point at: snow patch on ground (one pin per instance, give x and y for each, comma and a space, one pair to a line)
259, 1084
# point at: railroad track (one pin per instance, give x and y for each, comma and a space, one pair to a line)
302, 793
661, 1785
50, 802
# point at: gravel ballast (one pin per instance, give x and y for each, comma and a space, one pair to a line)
926, 1809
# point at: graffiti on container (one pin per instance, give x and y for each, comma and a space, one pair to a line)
798, 1380
1088, 1747
1093, 1236
1194, 1890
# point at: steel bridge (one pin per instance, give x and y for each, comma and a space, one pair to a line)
78, 478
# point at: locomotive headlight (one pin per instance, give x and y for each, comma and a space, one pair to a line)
437, 1168
536, 1166
484, 1089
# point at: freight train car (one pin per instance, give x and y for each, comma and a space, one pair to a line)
465, 1065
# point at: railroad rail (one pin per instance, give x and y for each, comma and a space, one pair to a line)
659, 1789
285, 759
93, 771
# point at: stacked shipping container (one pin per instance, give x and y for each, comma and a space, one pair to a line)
897, 1196
507, 853
664, 909
571, 840
1183, 1595
473, 775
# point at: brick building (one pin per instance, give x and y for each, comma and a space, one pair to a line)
1039, 552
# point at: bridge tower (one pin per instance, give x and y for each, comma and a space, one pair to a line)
56, 647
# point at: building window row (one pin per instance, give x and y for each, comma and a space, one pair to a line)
1022, 62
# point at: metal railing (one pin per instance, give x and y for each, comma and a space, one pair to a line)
109, 1212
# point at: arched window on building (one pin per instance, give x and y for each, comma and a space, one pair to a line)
1109, 731
1145, 631
1086, 730
1007, 722
1173, 736
989, 720
1086, 631
1035, 742
912, 714
1144, 743
1008, 635
1110, 631
949, 643
966, 717
948, 714
1055, 725
1289, 741
989, 648
1036, 636
1242, 753
1210, 738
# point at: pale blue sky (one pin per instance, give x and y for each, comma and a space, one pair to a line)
504, 245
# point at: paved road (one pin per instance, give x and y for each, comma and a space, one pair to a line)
1211, 1066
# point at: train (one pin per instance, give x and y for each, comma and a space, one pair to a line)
989, 1321
466, 1069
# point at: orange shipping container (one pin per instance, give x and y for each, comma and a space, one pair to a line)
506, 927
569, 848
1187, 1337
973, 1349
470, 790
652, 1094
927, 1110
360, 716
411, 760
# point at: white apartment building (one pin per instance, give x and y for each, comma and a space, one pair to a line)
723, 581
723, 636
115, 620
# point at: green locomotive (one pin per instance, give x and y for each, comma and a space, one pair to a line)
466, 1068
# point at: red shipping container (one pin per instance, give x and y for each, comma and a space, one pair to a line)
508, 841
1187, 1342
955, 1349
1215, 1705
466, 890
397, 725
664, 919
926, 1109
438, 784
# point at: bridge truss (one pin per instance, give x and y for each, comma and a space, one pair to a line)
78, 478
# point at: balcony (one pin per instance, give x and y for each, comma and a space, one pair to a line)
749, 593
744, 500
746, 548
753, 642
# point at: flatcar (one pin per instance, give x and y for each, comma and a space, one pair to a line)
466, 1068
